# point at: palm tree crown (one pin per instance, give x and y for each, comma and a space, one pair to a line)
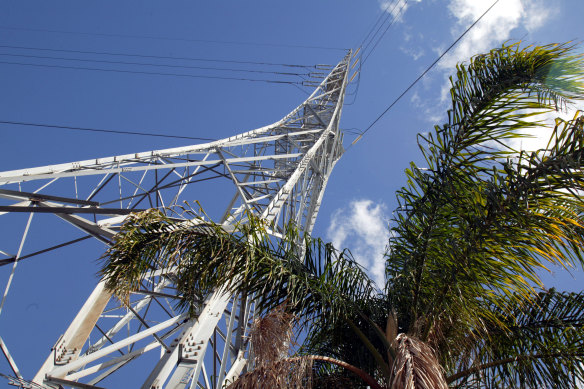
463, 304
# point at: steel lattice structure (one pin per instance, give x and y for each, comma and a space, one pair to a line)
278, 172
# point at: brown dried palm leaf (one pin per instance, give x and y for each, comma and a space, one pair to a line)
294, 373
415, 366
271, 337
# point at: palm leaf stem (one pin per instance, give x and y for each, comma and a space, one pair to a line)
354, 369
380, 334
383, 366
518, 358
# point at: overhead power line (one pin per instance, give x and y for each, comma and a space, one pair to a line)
393, 20
103, 130
152, 73
158, 56
388, 14
382, 20
241, 43
382, 13
155, 64
422, 75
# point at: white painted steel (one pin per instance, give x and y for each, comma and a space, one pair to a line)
278, 172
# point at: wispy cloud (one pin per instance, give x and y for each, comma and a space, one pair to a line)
537, 13
497, 26
362, 227
415, 52
494, 28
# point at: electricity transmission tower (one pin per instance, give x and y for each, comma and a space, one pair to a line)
278, 172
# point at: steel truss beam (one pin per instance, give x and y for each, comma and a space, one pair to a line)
278, 172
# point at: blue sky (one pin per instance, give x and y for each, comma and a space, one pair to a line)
360, 196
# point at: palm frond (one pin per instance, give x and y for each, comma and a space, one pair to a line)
415, 366
477, 223
340, 340
541, 345
294, 373
271, 337
271, 341
324, 283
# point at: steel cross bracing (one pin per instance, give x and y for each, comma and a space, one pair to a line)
278, 172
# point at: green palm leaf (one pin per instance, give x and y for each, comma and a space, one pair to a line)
542, 346
476, 223
325, 283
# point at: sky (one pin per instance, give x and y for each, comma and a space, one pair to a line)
359, 199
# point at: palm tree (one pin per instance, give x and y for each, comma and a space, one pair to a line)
463, 305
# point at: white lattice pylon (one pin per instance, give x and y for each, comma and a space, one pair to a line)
279, 172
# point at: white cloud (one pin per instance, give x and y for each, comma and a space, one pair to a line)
416, 100
537, 14
414, 52
495, 27
362, 227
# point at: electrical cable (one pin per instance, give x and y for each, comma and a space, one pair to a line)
152, 73
399, 12
354, 93
302, 90
174, 39
382, 13
157, 56
103, 130
421, 75
153, 64
389, 13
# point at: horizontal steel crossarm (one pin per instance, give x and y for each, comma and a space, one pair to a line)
271, 138
251, 183
18, 195
99, 170
260, 198
50, 171
78, 385
69, 210
79, 222
24, 203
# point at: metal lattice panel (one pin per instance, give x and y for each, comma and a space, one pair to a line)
278, 172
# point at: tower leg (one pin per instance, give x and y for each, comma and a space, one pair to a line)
69, 345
